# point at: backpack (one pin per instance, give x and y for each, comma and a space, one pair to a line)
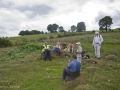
99, 37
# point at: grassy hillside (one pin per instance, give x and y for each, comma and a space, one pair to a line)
20, 68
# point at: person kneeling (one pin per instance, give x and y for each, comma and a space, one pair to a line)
73, 69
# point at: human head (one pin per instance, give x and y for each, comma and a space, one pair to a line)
78, 43
58, 43
96, 33
45, 43
74, 56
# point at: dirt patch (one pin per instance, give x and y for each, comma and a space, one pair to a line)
91, 69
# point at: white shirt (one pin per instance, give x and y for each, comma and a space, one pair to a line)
79, 50
97, 39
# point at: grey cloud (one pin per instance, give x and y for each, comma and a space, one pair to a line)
2, 27
115, 17
111, 0
6, 4
27, 27
36, 10
2, 33
100, 16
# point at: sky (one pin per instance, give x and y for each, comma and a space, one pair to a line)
18, 15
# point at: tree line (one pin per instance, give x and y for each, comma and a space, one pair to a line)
52, 28
104, 24
27, 32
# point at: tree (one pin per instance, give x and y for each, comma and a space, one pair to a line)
73, 28
61, 29
55, 27
81, 27
50, 28
105, 23
22, 33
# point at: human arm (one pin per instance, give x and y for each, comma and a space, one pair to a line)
69, 64
101, 39
93, 41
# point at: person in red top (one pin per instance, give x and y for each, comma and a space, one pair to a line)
71, 47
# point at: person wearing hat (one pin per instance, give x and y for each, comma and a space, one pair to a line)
97, 41
79, 51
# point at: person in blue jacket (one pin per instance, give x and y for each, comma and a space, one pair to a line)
72, 67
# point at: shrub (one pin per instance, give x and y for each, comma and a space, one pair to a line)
31, 47
43, 39
51, 37
59, 35
5, 42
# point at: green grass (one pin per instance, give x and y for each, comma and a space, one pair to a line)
20, 68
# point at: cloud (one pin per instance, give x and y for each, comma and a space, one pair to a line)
5, 4
113, 13
34, 10
17, 15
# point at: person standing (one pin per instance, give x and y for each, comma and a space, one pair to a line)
97, 41
79, 51
46, 51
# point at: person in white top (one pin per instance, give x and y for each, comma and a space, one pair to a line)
79, 51
97, 41
58, 48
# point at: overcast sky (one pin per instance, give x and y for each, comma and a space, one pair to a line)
17, 15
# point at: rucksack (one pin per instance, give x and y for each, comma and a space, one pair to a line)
99, 37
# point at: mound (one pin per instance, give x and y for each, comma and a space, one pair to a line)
111, 57
73, 83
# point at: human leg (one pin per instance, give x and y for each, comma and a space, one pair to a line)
45, 55
79, 59
95, 48
58, 51
65, 73
49, 55
98, 51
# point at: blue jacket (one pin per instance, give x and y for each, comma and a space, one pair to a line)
74, 66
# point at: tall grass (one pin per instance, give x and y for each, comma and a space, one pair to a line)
21, 69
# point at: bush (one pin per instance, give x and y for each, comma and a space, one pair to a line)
59, 35
5, 42
24, 50
31, 47
51, 37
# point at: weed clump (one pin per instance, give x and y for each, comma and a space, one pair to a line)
74, 83
111, 57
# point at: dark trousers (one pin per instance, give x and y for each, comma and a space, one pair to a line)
58, 51
47, 54
65, 73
